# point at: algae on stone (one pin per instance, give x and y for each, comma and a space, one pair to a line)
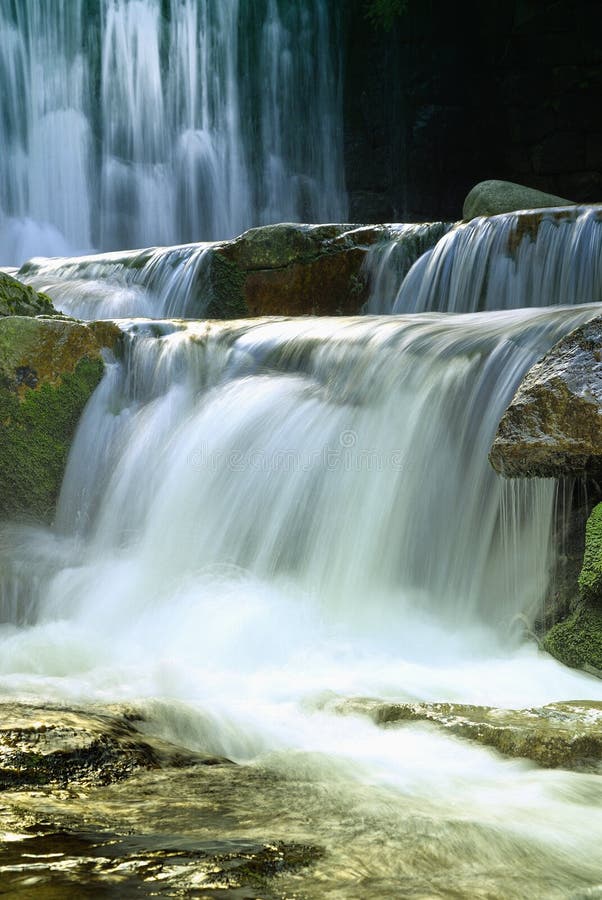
17, 299
577, 641
48, 371
590, 579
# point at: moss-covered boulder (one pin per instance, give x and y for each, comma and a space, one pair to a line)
491, 198
48, 371
577, 641
590, 579
553, 427
17, 299
292, 270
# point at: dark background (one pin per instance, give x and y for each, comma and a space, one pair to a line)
459, 92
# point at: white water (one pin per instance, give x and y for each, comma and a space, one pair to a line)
509, 261
127, 123
259, 516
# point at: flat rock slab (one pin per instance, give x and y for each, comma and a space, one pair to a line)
561, 735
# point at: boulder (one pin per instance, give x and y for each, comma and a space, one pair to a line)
590, 578
490, 198
292, 270
17, 299
553, 427
48, 371
577, 640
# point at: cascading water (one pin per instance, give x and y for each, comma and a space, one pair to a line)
126, 123
260, 515
510, 261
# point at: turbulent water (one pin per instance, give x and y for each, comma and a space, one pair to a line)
261, 516
126, 123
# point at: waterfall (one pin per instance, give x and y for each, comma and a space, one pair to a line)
510, 261
341, 463
126, 123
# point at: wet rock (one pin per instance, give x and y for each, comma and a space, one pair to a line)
553, 427
590, 578
17, 299
46, 745
490, 198
560, 735
292, 270
577, 640
48, 371
90, 798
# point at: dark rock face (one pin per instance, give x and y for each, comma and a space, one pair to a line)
17, 299
553, 426
491, 198
48, 371
463, 92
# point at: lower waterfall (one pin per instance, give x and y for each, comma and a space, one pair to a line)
261, 517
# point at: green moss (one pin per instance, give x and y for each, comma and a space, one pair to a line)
36, 430
17, 299
590, 579
577, 641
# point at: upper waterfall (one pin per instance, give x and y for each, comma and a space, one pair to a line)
126, 123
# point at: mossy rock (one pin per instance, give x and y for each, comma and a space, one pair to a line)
577, 641
590, 579
48, 371
17, 299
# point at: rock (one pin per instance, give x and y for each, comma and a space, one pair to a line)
291, 270
90, 798
577, 641
590, 579
55, 745
17, 299
48, 371
553, 426
565, 735
490, 198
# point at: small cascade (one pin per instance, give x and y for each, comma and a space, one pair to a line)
511, 261
127, 123
389, 261
161, 282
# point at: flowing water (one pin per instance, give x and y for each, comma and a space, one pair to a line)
126, 123
259, 517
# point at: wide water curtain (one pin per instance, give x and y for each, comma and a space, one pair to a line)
127, 123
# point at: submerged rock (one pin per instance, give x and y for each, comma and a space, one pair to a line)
560, 735
490, 198
553, 427
17, 299
292, 270
90, 798
48, 371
